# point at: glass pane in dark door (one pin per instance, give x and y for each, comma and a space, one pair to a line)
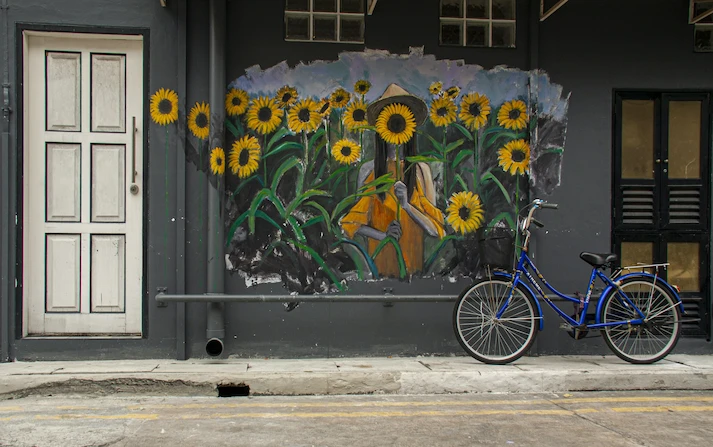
637, 139
684, 140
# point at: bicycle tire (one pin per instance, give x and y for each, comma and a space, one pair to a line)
651, 341
473, 315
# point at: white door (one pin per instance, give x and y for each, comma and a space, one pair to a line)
83, 151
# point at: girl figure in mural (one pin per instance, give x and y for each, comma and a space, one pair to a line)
378, 216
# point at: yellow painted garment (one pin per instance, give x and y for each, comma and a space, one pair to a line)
371, 211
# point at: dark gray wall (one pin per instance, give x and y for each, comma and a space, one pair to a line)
164, 71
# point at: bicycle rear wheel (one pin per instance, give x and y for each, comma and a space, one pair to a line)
484, 336
657, 336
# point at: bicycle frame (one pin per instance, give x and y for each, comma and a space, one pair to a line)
525, 264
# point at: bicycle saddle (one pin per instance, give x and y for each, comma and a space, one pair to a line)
598, 259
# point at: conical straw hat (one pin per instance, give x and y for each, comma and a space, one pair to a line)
395, 94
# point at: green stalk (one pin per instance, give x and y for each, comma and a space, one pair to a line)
445, 168
517, 214
306, 157
264, 165
398, 179
476, 151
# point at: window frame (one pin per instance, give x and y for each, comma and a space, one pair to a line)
464, 21
338, 14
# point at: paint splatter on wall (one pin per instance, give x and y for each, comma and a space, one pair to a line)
380, 165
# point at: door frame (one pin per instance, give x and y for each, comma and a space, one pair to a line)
22, 30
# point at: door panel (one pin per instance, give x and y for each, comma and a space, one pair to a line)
83, 254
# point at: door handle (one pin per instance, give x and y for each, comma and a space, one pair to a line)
134, 188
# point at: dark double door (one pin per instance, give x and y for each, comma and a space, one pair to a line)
661, 191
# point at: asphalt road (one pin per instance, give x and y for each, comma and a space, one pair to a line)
610, 419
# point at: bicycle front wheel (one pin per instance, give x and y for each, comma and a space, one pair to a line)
650, 341
484, 336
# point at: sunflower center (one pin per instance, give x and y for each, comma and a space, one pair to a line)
236, 101
303, 115
442, 111
286, 97
361, 88
324, 108
518, 156
244, 157
396, 123
264, 114
338, 98
464, 212
474, 109
514, 114
359, 115
219, 160
346, 151
165, 107
201, 120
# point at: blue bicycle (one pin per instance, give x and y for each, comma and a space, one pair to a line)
639, 314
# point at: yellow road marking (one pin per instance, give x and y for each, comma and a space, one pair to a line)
605, 400
43, 417
11, 409
664, 409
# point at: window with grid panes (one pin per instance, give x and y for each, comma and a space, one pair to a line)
324, 20
478, 23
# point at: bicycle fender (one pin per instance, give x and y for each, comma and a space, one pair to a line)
529, 290
664, 284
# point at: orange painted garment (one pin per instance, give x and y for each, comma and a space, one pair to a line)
378, 214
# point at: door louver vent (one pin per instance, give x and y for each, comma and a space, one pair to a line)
693, 305
684, 205
638, 205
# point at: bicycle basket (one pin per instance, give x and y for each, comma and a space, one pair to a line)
496, 246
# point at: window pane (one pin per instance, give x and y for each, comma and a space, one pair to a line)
325, 28
703, 38
296, 27
504, 9
325, 5
477, 35
451, 8
351, 29
352, 6
702, 7
297, 5
637, 139
633, 253
684, 270
504, 35
684, 139
477, 9
451, 34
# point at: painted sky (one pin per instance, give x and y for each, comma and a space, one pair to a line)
414, 72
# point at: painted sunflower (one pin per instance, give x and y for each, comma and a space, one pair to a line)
236, 102
396, 124
465, 212
436, 88
346, 151
286, 96
164, 107
474, 110
453, 92
324, 107
362, 86
199, 120
355, 115
443, 111
304, 116
264, 116
513, 115
340, 98
217, 161
514, 157
244, 157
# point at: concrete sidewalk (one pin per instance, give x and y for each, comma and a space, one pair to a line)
404, 375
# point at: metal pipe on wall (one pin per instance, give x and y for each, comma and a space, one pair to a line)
215, 319
210, 298
5, 214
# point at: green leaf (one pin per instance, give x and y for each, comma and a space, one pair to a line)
245, 182
319, 133
333, 176
504, 215
441, 244
257, 200
283, 147
234, 227
423, 159
364, 253
281, 132
554, 150
303, 197
322, 210
399, 254
358, 128
462, 155
280, 171
231, 127
459, 180
296, 228
313, 221
505, 134
264, 216
438, 146
319, 261
454, 145
468, 134
489, 176
380, 181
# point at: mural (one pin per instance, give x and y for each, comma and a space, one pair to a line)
378, 166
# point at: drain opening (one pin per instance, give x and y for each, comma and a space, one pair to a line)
233, 390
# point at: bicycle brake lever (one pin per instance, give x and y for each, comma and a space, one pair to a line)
537, 222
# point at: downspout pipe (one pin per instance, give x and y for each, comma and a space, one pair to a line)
215, 319
5, 225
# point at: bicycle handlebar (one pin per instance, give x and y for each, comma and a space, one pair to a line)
552, 206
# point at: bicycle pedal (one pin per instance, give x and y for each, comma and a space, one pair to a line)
566, 326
